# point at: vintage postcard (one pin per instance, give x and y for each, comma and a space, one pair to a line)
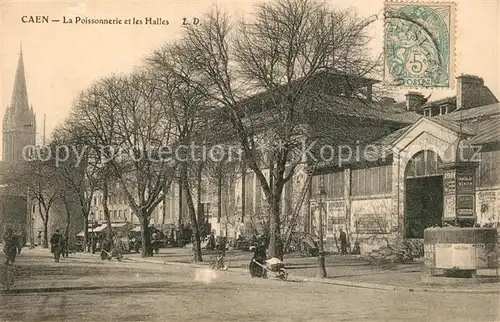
285, 160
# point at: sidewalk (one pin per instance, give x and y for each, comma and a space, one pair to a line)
341, 270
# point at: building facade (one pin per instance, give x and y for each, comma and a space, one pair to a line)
408, 188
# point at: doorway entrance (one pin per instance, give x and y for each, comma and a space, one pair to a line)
423, 194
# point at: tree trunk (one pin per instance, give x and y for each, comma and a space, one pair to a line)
45, 220
145, 235
105, 196
45, 243
199, 212
243, 193
275, 243
219, 198
68, 222
181, 204
194, 221
164, 212
85, 231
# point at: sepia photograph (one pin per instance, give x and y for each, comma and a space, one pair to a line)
280, 160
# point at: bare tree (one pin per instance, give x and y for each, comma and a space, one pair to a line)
124, 124
183, 102
39, 179
78, 169
280, 52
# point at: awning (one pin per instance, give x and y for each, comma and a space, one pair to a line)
136, 229
113, 225
81, 234
98, 228
103, 227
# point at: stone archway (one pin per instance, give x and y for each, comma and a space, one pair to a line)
423, 206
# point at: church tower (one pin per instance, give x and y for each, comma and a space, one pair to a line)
19, 123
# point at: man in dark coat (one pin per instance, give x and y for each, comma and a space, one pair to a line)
343, 242
10, 245
56, 245
65, 250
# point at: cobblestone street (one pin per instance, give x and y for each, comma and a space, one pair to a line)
83, 288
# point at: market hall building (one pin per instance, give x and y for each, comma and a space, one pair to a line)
441, 169
406, 182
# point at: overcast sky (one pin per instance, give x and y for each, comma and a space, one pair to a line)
60, 60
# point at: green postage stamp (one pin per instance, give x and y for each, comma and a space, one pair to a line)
419, 44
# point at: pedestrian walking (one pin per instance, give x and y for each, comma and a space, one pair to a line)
10, 245
343, 242
65, 251
56, 245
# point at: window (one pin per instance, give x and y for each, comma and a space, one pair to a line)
258, 196
329, 225
114, 214
208, 213
125, 214
371, 181
206, 191
249, 189
119, 214
424, 163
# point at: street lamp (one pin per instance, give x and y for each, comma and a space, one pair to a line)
321, 196
92, 233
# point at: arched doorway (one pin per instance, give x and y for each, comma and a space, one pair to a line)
424, 193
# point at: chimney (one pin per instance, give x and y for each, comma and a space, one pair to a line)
414, 100
469, 88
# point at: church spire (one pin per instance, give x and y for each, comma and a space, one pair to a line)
19, 124
19, 102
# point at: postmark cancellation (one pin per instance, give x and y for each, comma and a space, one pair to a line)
419, 46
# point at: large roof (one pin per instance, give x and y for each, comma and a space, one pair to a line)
331, 119
332, 114
482, 123
484, 120
473, 113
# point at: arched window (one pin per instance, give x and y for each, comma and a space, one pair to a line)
425, 163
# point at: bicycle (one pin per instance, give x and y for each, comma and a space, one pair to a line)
219, 261
8, 274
